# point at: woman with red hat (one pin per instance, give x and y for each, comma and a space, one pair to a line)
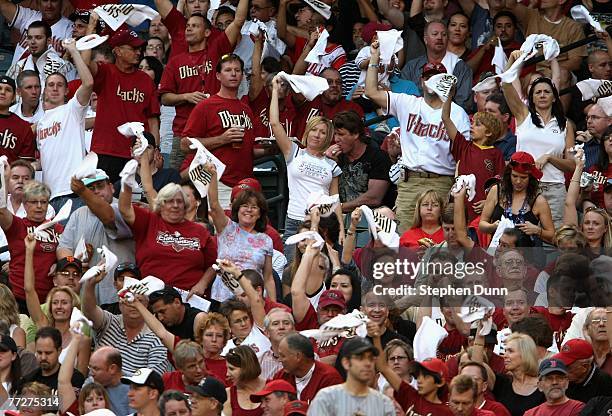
517, 198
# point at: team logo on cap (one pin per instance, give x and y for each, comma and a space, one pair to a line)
565, 348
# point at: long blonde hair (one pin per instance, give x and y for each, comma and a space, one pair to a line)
528, 350
606, 239
76, 303
312, 123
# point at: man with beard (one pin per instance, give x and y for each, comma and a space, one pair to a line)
355, 396
553, 382
48, 345
42, 56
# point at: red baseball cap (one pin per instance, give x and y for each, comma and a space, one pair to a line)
271, 387
332, 297
573, 350
435, 365
370, 28
125, 37
296, 407
247, 183
433, 69
523, 162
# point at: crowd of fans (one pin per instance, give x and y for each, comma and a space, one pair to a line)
156, 284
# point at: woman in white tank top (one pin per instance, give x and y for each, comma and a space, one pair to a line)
542, 131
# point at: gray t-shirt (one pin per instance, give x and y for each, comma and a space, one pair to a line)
336, 400
118, 239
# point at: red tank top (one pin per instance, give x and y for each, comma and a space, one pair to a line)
239, 411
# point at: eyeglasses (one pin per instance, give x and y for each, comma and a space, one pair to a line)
597, 321
67, 274
97, 186
249, 207
594, 118
41, 202
398, 358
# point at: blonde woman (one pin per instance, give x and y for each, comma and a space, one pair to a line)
9, 312
426, 227
517, 389
61, 300
308, 169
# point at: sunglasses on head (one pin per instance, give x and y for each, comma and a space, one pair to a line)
523, 165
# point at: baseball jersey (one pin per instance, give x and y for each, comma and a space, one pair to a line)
334, 57
193, 71
425, 144
122, 97
16, 138
261, 109
210, 118
44, 253
414, 404
62, 29
60, 135
317, 107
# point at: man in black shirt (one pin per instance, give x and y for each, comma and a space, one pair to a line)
586, 379
179, 318
365, 169
48, 344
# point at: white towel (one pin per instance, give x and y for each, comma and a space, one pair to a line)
117, 14
581, 15
145, 286
500, 347
327, 204
229, 280
110, 258
306, 235
485, 85
503, 224
500, 59
135, 129
322, 8
391, 42
128, 175
76, 317
343, 326
80, 251
90, 42
87, 168
474, 308
62, 215
467, 181
310, 86
99, 412
441, 84
427, 338
594, 88
3, 188
381, 227
606, 105
197, 174
318, 50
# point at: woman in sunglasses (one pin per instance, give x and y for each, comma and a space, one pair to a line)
542, 131
596, 224
517, 199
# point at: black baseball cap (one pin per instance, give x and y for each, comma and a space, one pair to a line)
210, 387
69, 261
8, 81
127, 267
80, 14
552, 365
7, 343
358, 345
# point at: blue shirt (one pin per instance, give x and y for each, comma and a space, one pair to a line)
507, 145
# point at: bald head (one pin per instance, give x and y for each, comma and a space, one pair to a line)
597, 121
600, 65
105, 366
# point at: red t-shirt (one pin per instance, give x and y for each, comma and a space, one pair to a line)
217, 369
452, 344
261, 110
310, 320
411, 237
415, 405
324, 375
598, 196
176, 253
122, 97
176, 22
496, 407
558, 323
484, 162
330, 347
210, 118
193, 71
317, 107
569, 408
481, 412
173, 380
16, 138
44, 255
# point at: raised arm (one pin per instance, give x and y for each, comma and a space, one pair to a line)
351, 236
257, 83
379, 97
86, 54
32, 300
460, 221
367, 10
301, 65
233, 30
8, 10
146, 177
165, 336
283, 141
6, 216
257, 303
125, 205
518, 109
83, 93
164, 7
570, 213
64, 377
299, 301
451, 129
393, 378
393, 15
281, 24
220, 220
88, 300
416, 7
97, 205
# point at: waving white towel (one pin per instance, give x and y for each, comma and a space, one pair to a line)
500, 59
318, 50
322, 8
310, 86
594, 88
306, 235
128, 175
76, 317
474, 308
441, 84
90, 41
582, 15
117, 14
87, 168
606, 105
62, 215
503, 224
381, 227
3, 189
327, 204
343, 326
391, 42
197, 174
427, 338
229, 280
467, 181
135, 129
145, 286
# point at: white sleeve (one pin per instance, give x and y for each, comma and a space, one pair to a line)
575, 329
293, 153
364, 53
77, 108
23, 17
399, 105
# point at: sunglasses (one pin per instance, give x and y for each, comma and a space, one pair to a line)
522, 165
